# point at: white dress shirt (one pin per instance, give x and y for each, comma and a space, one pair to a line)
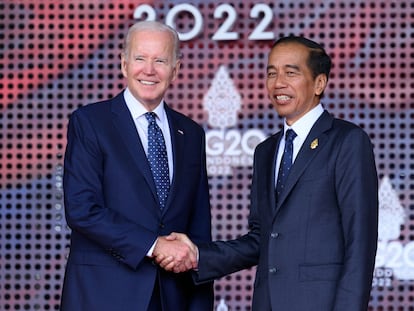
138, 111
302, 127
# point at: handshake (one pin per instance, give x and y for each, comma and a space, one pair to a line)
176, 253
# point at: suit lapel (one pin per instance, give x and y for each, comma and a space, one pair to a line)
125, 125
177, 142
308, 151
266, 169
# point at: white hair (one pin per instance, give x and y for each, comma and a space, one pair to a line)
152, 26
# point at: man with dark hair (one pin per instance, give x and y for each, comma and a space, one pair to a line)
314, 199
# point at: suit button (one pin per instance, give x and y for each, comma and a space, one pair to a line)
274, 235
272, 270
161, 225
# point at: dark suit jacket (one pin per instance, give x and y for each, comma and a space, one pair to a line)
315, 248
112, 209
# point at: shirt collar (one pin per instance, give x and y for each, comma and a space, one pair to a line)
303, 126
137, 110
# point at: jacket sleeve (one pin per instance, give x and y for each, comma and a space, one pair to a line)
357, 194
219, 258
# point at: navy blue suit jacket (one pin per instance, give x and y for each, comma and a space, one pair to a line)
315, 248
112, 208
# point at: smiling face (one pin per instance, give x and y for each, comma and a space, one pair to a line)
150, 66
291, 86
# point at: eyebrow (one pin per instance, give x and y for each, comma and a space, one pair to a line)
295, 67
270, 67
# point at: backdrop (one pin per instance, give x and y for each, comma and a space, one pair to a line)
58, 55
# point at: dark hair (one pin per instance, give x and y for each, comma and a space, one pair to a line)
319, 61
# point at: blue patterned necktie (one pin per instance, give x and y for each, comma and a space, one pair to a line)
286, 161
158, 160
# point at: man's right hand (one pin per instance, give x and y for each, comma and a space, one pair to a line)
176, 253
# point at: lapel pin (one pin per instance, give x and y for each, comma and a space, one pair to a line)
314, 144
181, 132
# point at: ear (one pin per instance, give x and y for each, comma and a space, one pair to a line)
320, 84
123, 66
176, 69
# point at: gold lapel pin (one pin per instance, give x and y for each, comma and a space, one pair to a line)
314, 144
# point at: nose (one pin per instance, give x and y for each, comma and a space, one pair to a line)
149, 67
278, 82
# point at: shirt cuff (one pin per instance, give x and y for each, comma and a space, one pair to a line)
151, 250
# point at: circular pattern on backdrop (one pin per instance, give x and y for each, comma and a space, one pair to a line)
57, 56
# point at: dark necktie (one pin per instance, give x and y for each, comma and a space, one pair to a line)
286, 162
157, 157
